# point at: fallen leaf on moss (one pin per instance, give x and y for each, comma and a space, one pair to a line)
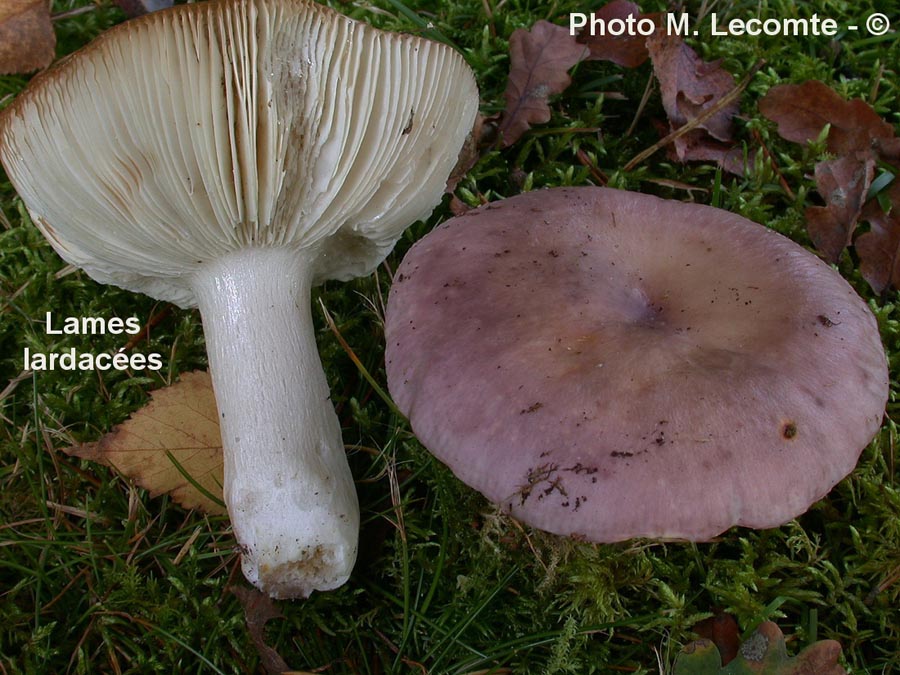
627, 50
723, 631
690, 86
27, 40
801, 111
764, 653
879, 248
861, 140
698, 147
540, 60
259, 609
469, 154
171, 445
843, 184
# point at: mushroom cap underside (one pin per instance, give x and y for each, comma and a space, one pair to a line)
185, 134
612, 365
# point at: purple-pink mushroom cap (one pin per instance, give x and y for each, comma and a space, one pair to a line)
609, 365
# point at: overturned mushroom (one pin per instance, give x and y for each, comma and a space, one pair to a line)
610, 365
268, 147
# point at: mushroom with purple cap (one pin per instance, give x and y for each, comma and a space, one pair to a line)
269, 145
609, 365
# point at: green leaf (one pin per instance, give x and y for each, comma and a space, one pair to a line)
697, 658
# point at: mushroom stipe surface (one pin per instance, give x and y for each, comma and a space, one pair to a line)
609, 365
269, 146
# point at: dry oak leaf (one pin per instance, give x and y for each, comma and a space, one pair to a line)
859, 138
27, 40
801, 111
626, 50
879, 248
179, 423
722, 630
539, 63
844, 184
697, 146
689, 86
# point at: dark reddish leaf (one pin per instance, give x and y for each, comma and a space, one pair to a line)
691, 88
27, 40
628, 50
722, 629
859, 138
259, 609
139, 7
470, 153
458, 206
801, 111
843, 184
879, 248
689, 85
539, 63
888, 149
697, 145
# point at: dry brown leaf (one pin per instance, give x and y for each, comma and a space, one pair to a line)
879, 248
625, 50
259, 609
723, 631
27, 40
689, 86
697, 146
540, 60
801, 111
469, 154
843, 184
180, 422
859, 138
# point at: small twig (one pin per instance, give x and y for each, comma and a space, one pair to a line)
359, 364
187, 546
73, 511
65, 271
394, 648
596, 173
154, 320
873, 95
14, 382
722, 103
396, 500
415, 664
69, 13
84, 571
136, 540
534, 552
891, 579
648, 90
20, 523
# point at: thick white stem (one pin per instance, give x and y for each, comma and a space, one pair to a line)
289, 490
